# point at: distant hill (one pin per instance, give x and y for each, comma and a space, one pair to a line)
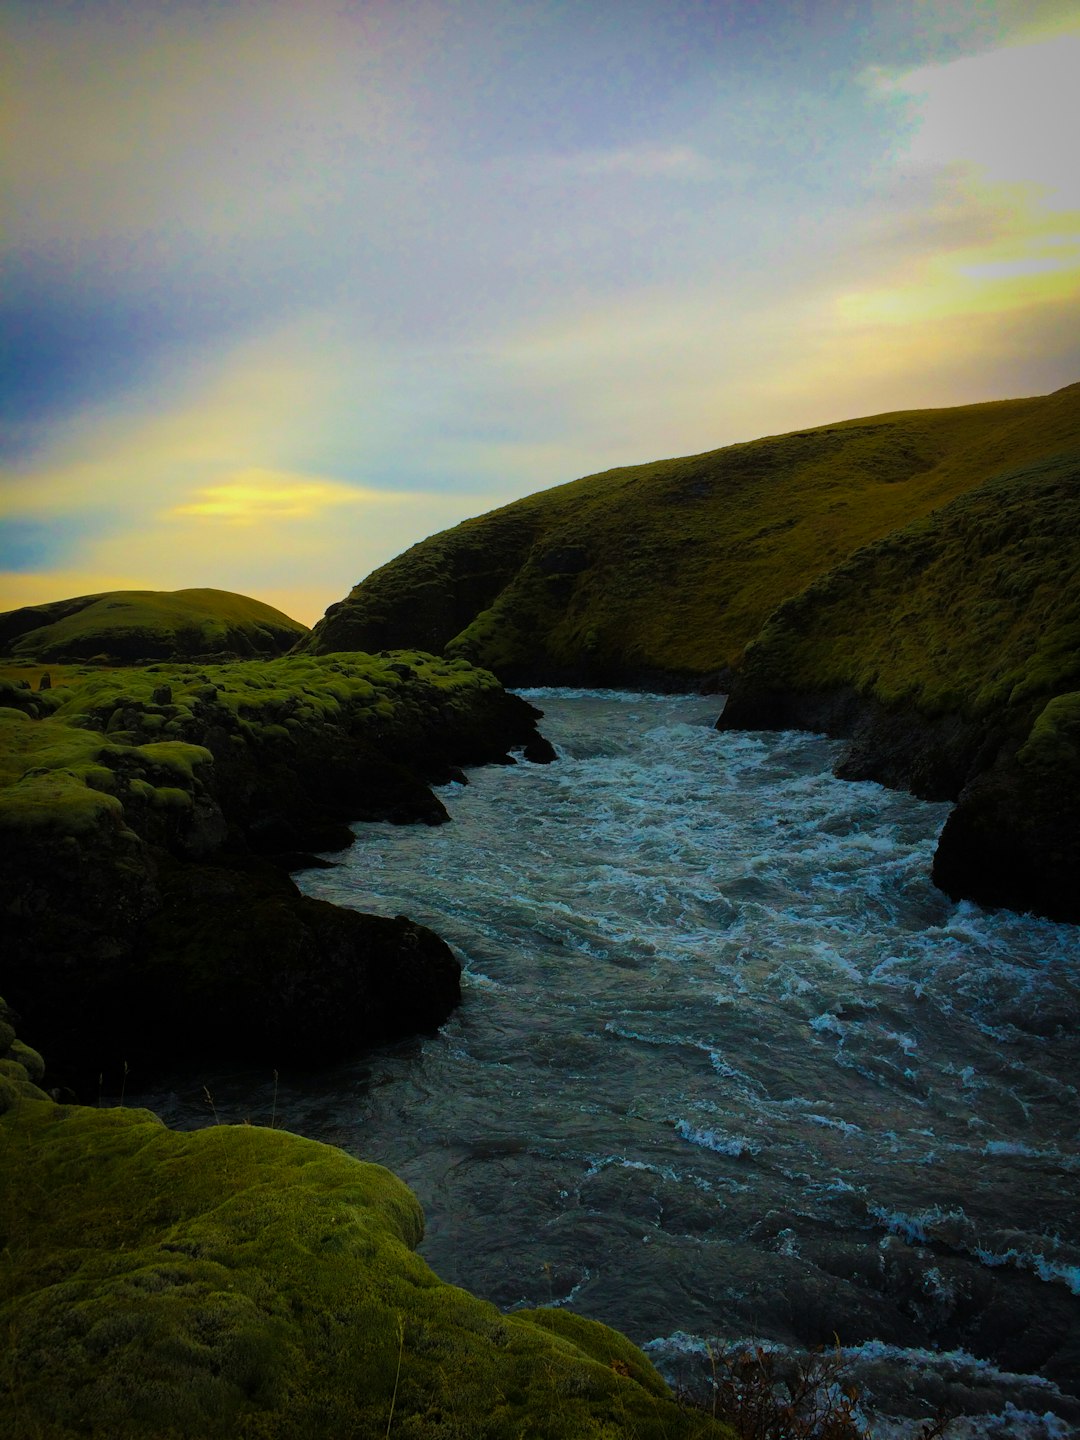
127, 626
909, 579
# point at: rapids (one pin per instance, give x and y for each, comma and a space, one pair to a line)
727, 1066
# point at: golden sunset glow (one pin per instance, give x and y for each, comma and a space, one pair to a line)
260, 495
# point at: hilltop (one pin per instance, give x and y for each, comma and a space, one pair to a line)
128, 626
907, 579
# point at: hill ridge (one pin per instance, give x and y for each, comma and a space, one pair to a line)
722, 570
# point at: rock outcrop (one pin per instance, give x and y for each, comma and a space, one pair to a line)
147, 822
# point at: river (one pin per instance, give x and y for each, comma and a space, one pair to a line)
727, 1066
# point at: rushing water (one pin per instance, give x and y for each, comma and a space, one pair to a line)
727, 1065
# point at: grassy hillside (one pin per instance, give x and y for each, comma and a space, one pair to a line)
669, 570
911, 580
127, 626
973, 608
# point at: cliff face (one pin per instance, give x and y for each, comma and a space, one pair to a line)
148, 818
910, 580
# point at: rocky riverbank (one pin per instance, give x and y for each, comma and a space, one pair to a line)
149, 817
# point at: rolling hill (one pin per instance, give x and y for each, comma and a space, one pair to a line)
126, 626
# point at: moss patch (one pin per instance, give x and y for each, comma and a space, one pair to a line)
101, 739
244, 1282
974, 609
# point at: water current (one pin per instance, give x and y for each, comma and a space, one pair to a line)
727, 1066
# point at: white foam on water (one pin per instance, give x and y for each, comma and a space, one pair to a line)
717, 1141
830, 1123
999, 1417
1048, 1270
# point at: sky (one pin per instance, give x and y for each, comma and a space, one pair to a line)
285, 288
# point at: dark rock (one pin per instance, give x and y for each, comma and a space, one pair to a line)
1012, 842
45, 683
540, 751
298, 980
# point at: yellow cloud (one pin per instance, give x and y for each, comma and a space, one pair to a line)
1023, 271
202, 493
256, 495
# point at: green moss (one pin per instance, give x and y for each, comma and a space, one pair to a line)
96, 758
975, 608
57, 802
243, 1282
175, 757
20, 1070
31, 1062
166, 797
1054, 742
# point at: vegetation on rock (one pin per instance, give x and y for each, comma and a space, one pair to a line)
129, 626
147, 817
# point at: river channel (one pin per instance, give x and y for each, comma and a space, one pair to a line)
727, 1066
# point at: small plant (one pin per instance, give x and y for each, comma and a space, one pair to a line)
765, 1396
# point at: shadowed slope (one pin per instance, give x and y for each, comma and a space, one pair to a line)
132, 625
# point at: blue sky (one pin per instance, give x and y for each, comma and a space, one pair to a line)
286, 288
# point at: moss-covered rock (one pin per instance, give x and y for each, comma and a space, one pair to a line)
1013, 838
129, 626
242, 1282
146, 815
20, 1068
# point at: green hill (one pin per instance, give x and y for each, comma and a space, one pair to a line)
127, 626
669, 570
909, 579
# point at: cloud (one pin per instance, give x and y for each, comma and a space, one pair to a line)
190, 127
219, 485
994, 191
1007, 116
642, 162
255, 495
